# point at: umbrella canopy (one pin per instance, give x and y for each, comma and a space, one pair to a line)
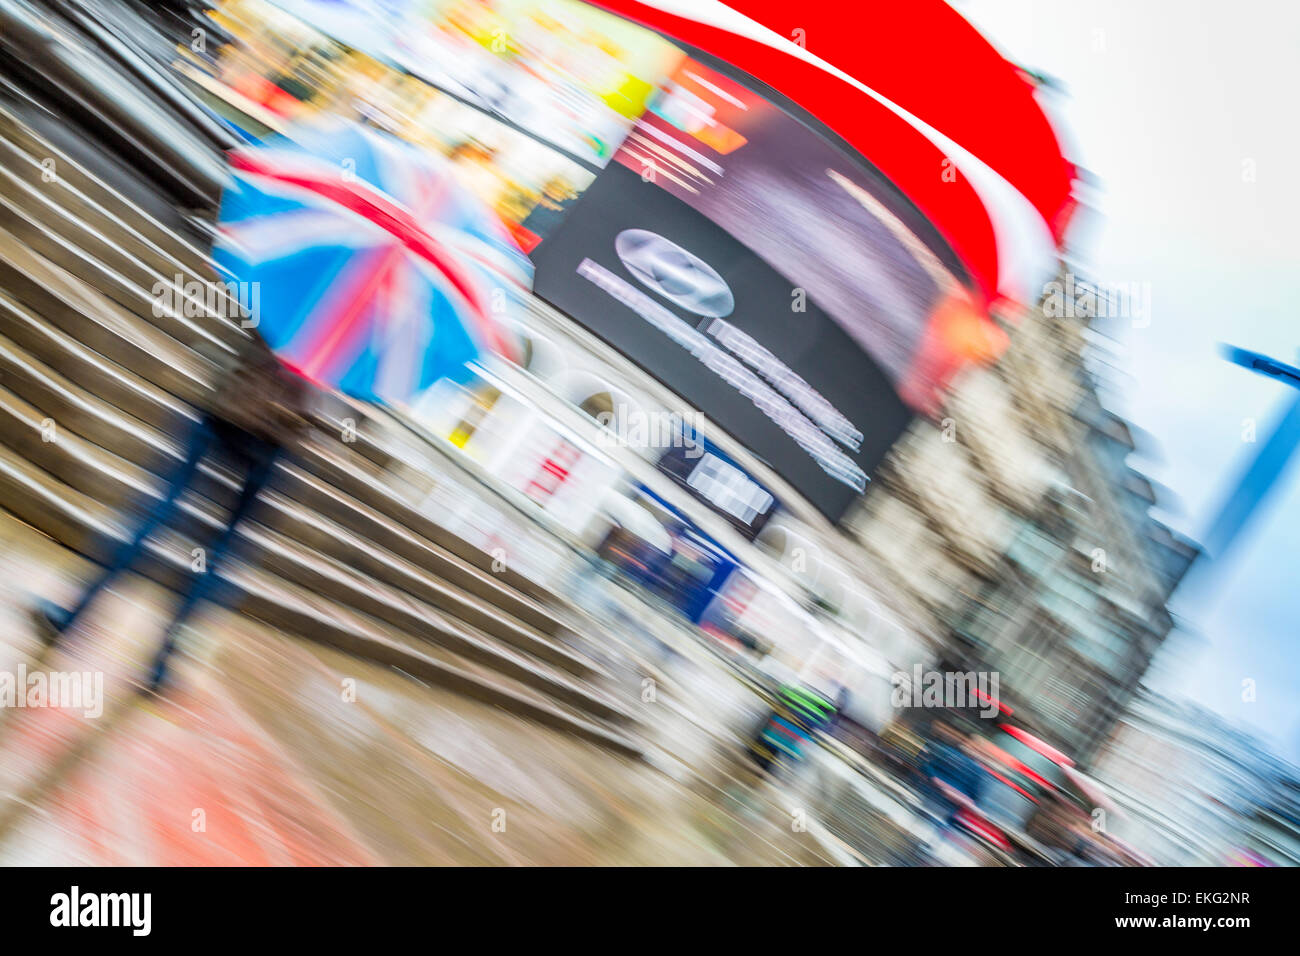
373, 270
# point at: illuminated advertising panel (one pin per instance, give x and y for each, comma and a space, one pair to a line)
809, 210
693, 305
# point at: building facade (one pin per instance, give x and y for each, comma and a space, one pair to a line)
1017, 523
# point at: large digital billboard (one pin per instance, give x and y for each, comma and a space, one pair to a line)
763, 274
692, 304
797, 201
570, 74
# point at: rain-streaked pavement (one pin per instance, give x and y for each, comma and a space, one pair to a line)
271, 750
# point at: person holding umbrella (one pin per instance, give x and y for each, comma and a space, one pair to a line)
378, 275
257, 411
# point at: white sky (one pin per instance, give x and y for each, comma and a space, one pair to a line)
1169, 103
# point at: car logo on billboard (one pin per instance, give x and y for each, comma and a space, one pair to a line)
679, 276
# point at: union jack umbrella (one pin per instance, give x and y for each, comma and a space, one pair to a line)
375, 271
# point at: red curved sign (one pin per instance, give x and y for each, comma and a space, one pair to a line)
925, 57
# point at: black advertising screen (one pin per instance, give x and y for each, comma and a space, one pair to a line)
694, 306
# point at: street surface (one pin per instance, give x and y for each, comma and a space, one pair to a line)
262, 756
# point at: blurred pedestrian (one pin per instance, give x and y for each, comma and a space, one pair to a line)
256, 412
952, 779
799, 715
